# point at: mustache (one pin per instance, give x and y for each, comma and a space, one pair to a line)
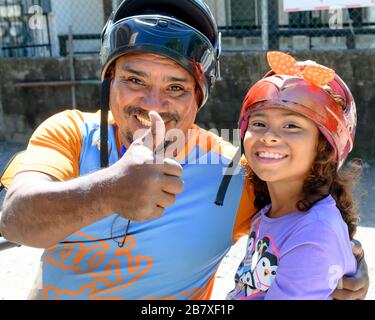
137, 111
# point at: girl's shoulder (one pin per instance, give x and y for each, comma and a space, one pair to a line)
323, 222
325, 212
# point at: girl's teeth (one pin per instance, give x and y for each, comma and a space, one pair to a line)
269, 155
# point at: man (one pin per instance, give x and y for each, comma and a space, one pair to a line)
160, 60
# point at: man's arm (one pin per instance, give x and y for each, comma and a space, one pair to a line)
355, 287
40, 212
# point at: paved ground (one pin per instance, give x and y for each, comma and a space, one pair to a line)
18, 266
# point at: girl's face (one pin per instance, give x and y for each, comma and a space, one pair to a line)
280, 145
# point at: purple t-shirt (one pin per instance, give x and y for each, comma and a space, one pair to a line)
302, 255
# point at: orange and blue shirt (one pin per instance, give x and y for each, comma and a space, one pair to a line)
173, 257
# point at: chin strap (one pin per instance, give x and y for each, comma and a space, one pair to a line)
104, 163
220, 197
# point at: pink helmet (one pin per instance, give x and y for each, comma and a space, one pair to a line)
298, 87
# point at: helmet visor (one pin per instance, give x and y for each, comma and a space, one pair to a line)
165, 36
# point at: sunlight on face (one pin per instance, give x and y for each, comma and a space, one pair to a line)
280, 145
145, 82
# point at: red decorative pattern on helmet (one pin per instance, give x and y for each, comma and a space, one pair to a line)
291, 87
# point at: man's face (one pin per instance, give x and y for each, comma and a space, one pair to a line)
147, 82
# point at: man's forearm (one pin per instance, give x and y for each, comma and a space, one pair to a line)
40, 213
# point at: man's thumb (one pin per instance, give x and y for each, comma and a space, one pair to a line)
157, 127
154, 137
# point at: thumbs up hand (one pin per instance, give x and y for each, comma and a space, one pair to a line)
154, 138
142, 184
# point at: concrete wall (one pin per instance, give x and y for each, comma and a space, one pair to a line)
22, 110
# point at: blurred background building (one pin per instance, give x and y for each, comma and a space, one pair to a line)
41, 27
41, 75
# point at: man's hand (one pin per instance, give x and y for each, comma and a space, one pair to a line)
143, 184
356, 287
40, 211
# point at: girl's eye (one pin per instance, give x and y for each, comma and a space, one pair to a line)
291, 126
256, 124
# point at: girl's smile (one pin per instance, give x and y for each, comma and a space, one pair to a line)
269, 155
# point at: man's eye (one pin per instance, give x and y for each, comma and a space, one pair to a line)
135, 81
176, 88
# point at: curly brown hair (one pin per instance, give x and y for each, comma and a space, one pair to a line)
322, 180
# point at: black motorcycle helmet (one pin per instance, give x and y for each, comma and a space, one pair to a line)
182, 30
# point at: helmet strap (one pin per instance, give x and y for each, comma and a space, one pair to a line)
106, 85
220, 196
223, 188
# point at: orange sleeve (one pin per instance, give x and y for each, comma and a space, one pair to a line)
245, 212
55, 147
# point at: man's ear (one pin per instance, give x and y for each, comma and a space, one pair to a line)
112, 70
198, 96
112, 73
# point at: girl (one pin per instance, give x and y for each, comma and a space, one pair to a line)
297, 127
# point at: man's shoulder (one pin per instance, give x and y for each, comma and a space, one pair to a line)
68, 125
66, 116
77, 117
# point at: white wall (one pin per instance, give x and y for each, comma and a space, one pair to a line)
86, 17
371, 14
218, 9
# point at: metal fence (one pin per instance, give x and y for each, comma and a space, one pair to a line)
41, 27
263, 24
20, 25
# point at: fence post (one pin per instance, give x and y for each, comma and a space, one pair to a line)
2, 122
265, 25
71, 67
273, 25
228, 21
107, 8
355, 21
115, 4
